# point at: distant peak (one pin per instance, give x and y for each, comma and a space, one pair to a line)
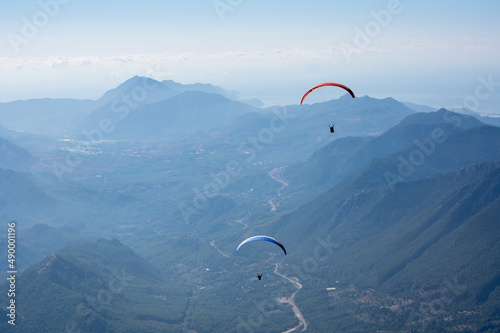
139, 79
443, 110
345, 96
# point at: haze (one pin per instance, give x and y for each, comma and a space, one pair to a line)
425, 52
144, 145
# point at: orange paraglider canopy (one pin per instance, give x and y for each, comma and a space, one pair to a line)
327, 84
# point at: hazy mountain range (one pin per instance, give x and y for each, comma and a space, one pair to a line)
129, 210
64, 117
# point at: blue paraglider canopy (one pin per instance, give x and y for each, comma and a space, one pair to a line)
262, 238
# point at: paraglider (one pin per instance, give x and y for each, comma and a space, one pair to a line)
324, 85
332, 129
261, 238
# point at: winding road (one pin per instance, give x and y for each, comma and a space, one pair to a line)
275, 174
290, 300
213, 244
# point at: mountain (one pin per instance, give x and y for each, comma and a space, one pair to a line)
180, 115
59, 118
98, 286
203, 87
49, 117
345, 156
178, 109
487, 118
414, 227
405, 247
39, 241
118, 103
403, 229
143, 90
136, 91
390, 223
5, 133
31, 142
454, 152
283, 135
112, 255
490, 119
354, 116
22, 199
420, 107
259, 142
14, 157
441, 116
447, 153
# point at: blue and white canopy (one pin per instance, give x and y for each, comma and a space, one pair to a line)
262, 238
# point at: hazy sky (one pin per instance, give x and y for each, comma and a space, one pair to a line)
439, 53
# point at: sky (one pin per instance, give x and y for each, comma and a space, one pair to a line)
437, 53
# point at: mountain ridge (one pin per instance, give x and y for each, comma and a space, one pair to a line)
72, 289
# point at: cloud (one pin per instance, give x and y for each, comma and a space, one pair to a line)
326, 50
27, 63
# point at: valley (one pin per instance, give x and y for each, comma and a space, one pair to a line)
390, 225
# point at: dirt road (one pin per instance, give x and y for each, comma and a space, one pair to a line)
276, 175
290, 300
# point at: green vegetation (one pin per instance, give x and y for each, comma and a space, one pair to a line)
97, 292
419, 254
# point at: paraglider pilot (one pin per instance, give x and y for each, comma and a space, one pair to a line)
332, 129
261, 238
